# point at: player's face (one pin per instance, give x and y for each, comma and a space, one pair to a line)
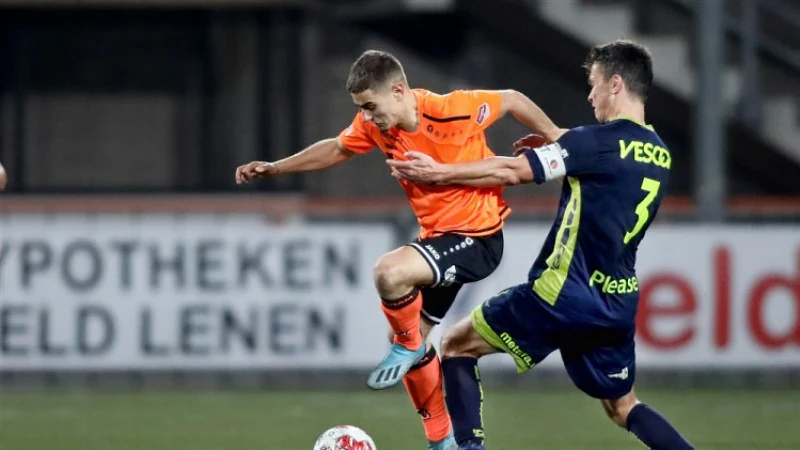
383, 107
601, 95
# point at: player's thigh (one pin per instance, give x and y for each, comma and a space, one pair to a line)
602, 364
515, 321
462, 339
402, 268
458, 259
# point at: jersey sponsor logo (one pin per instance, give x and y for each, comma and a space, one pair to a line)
646, 153
608, 285
483, 114
433, 252
389, 140
441, 134
515, 349
621, 375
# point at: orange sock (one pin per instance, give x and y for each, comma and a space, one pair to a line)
424, 385
403, 316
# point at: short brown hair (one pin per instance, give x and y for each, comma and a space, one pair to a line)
631, 61
372, 70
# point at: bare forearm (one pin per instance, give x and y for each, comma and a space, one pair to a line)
528, 113
494, 171
320, 155
501, 177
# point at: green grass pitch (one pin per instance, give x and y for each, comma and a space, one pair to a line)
551, 419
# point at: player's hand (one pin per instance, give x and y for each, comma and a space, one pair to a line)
255, 169
420, 168
532, 140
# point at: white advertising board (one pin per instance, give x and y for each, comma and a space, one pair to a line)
162, 292
166, 292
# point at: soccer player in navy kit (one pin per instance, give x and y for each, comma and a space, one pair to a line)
582, 292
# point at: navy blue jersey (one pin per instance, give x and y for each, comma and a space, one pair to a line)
615, 178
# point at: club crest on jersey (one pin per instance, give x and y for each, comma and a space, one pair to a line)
483, 114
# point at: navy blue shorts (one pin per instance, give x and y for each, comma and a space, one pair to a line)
598, 353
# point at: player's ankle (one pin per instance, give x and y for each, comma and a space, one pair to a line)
408, 343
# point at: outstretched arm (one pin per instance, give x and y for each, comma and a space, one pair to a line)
320, 155
494, 171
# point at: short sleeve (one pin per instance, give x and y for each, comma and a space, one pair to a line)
482, 108
575, 153
581, 151
356, 138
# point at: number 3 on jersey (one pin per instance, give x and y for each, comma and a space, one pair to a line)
650, 186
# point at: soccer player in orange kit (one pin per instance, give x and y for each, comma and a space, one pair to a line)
461, 238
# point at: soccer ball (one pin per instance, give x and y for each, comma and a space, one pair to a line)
345, 437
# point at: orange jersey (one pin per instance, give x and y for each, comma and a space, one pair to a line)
451, 130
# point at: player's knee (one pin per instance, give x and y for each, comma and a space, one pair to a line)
620, 418
455, 343
618, 410
449, 346
389, 274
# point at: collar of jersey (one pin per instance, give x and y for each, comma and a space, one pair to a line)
418, 97
644, 125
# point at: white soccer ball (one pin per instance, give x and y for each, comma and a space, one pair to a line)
345, 437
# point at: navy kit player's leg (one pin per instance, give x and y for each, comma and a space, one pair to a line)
502, 323
650, 427
602, 364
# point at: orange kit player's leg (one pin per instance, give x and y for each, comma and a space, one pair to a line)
398, 274
424, 385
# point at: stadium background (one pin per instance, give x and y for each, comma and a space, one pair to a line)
146, 301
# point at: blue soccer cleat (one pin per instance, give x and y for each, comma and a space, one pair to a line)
448, 443
394, 366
